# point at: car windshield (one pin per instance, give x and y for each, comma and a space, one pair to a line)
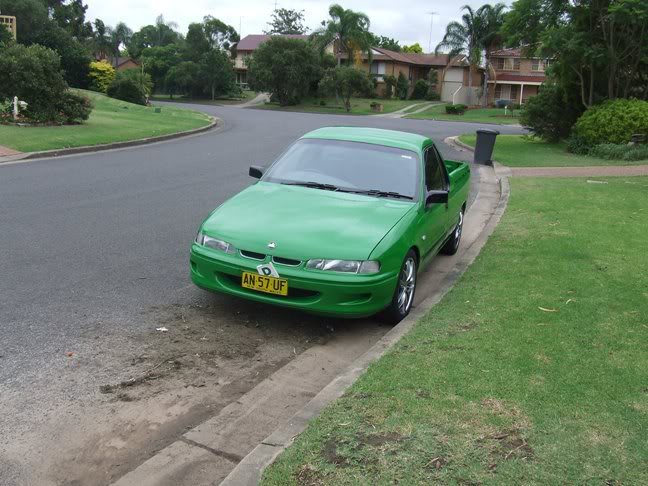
348, 166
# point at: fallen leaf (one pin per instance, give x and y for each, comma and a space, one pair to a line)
69, 354
162, 329
547, 310
570, 300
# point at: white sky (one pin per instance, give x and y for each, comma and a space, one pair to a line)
407, 21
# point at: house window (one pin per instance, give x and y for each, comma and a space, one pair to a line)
508, 64
498, 92
507, 92
515, 93
378, 69
537, 65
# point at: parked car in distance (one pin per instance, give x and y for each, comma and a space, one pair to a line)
340, 224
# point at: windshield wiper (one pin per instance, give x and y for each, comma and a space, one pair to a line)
314, 185
379, 193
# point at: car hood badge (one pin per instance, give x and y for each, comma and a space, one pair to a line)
272, 245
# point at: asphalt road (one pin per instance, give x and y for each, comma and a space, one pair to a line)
92, 245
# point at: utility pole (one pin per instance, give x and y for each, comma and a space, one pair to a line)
431, 14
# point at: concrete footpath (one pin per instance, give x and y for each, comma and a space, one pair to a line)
237, 444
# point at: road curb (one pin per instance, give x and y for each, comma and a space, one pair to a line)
249, 471
214, 123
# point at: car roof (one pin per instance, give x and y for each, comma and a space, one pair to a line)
377, 136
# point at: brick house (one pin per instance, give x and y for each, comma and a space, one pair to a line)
386, 62
514, 76
10, 23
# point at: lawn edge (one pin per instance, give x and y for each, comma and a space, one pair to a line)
214, 122
250, 470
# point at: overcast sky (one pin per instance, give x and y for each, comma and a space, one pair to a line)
407, 21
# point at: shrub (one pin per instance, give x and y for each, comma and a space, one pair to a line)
577, 145
74, 107
613, 151
34, 75
131, 85
613, 122
548, 115
420, 90
346, 81
455, 109
322, 102
101, 75
390, 83
432, 96
284, 67
402, 86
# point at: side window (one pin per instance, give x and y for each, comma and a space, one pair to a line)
434, 177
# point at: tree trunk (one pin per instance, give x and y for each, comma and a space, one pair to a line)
470, 85
485, 89
213, 92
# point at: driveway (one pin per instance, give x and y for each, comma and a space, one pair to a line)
94, 260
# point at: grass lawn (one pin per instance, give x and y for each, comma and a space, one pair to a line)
476, 115
111, 121
522, 151
247, 96
532, 370
359, 106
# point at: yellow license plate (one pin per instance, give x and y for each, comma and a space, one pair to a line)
269, 285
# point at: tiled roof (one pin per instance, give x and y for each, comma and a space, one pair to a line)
253, 41
514, 52
411, 58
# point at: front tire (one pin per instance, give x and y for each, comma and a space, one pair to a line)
403, 298
452, 245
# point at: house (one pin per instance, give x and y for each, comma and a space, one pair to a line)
124, 63
245, 47
452, 80
10, 23
514, 76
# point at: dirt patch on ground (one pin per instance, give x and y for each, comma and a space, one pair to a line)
194, 360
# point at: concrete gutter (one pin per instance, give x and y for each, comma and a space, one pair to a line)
485, 214
213, 123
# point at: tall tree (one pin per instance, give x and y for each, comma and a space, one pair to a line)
159, 35
286, 21
466, 38
385, 42
196, 42
217, 72
101, 42
219, 34
119, 36
349, 30
414, 48
491, 39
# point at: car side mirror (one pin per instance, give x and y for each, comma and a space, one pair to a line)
256, 171
436, 197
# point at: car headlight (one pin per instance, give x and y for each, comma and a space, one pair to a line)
346, 266
214, 243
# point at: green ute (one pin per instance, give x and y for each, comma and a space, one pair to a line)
339, 225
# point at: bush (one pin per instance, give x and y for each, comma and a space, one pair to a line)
346, 81
284, 67
101, 75
577, 145
74, 107
613, 122
613, 151
455, 109
420, 90
131, 85
548, 115
34, 75
390, 83
433, 96
402, 86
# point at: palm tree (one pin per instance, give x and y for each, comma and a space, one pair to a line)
350, 29
466, 38
121, 34
491, 39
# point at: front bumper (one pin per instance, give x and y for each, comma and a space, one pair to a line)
313, 291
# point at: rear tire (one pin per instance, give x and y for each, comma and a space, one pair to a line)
452, 245
403, 298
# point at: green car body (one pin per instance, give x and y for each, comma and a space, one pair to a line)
305, 223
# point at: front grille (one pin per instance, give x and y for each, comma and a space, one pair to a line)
253, 255
286, 261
